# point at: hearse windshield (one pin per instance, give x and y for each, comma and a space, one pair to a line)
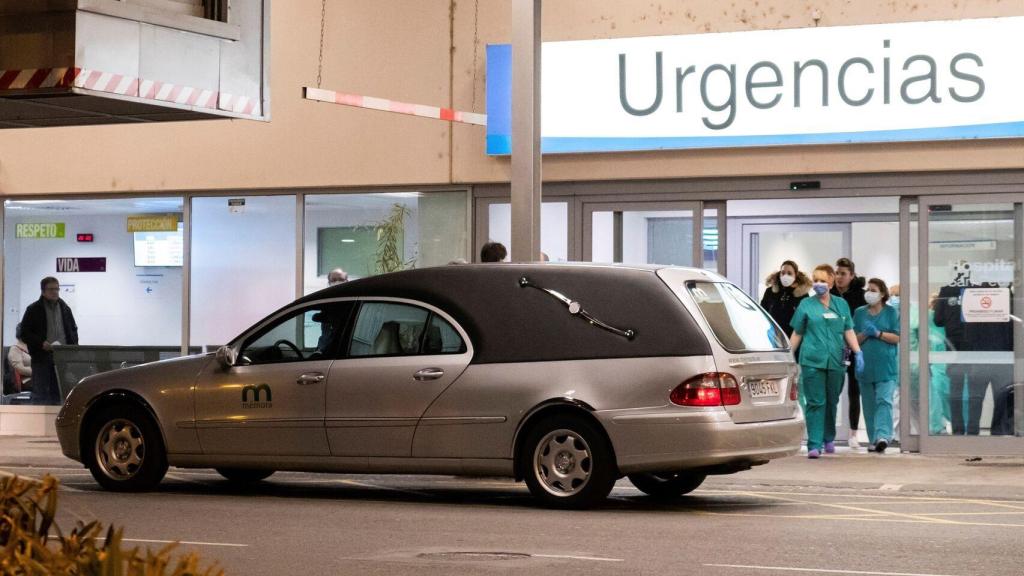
738, 323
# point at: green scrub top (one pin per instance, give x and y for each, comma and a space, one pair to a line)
822, 331
879, 356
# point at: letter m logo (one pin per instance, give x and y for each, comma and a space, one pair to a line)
256, 393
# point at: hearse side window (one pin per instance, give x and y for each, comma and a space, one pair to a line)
441, 338
738, 323
307, 334
391, 329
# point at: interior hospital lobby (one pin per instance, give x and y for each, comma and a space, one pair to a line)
172, 235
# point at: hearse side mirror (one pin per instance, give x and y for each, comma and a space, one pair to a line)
226, 357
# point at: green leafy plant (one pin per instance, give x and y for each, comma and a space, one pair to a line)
390, 235
31, 542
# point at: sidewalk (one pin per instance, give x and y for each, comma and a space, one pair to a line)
893, 472
905, 474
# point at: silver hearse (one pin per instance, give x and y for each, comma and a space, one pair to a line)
565, 376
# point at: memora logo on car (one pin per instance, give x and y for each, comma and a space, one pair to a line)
257, 396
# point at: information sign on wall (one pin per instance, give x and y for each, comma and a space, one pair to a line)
36, 230
986, 305
878, 83
153, 223
65, 265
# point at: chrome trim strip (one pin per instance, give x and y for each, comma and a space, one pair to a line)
362, 422
263, 422
445, 421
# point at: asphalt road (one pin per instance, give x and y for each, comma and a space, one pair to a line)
295, 523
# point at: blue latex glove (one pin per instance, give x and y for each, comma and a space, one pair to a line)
858, 363
871, 331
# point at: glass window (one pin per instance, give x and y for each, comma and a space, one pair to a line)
643, 237
554, 228
387, 329
118, 264
442, 338
308, 334
243, 263
367, 234
709, 239
738, 323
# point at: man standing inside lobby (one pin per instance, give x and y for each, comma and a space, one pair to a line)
47, 322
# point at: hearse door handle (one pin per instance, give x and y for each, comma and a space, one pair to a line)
311, 378
428, 374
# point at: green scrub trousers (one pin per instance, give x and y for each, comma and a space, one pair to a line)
821, 388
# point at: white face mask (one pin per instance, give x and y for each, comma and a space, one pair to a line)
872, 298
786, 280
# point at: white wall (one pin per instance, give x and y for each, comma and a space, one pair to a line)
111, 308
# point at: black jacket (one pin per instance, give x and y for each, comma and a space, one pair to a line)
781, 302
33, 326
854, 295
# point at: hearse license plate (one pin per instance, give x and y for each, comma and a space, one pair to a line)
764, 388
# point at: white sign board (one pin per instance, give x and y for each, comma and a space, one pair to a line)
875, 83
986, 305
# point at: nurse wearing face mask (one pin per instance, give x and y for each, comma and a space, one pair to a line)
786, 288
822, 326
878, 331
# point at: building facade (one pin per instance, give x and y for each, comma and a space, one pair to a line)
267, 207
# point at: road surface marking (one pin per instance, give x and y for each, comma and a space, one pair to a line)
859, 509
591, 558
184, 542
822, 570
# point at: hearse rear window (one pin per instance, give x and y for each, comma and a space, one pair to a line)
738, 323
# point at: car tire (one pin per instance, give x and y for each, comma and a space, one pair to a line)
567, 462
124, 449
244, 475
667, 485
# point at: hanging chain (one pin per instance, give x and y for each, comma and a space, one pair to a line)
323, 24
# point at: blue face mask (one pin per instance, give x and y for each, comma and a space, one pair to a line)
894, 301
820, 288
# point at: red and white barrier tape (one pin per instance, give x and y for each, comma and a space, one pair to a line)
126, 86
33, 78
372, 103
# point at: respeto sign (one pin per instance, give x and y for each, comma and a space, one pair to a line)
878, 83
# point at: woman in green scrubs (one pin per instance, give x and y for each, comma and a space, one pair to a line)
878, 330
822, 328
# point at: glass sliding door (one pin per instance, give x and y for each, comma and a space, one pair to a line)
970, 254
645, 233
495, 221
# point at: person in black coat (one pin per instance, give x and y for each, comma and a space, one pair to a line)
47, 322
786, 288
851, 288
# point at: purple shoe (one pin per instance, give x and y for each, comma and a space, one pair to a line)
813, 454
830, 447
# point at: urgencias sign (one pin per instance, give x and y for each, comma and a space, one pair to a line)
878, 83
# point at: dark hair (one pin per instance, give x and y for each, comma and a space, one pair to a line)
846, 263
881, 288
796, 269
47, 280
493, 252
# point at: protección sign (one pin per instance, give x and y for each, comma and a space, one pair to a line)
39, 230
986, 305
153, 223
